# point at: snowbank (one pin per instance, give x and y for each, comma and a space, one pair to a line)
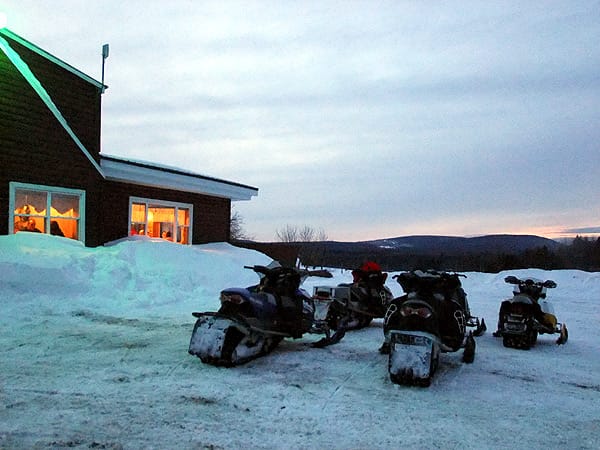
93, 354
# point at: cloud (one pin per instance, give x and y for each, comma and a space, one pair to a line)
582, 230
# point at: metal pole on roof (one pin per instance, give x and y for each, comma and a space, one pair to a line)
104, 56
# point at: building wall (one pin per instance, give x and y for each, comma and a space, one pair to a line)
78, 100
211, 215
212, 220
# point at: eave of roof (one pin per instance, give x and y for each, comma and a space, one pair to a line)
154, 175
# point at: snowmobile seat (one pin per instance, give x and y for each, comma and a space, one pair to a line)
244, 293
371, 278
369, 272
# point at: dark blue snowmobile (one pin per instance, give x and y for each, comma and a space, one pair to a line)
252, 321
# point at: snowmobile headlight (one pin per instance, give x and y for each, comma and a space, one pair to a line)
233, 298
422, 312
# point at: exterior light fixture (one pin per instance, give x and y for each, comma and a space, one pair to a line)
105, 49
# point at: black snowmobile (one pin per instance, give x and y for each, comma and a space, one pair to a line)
432, 317
356, 304
252, 321
527, 314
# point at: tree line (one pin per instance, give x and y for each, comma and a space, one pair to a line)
582, 253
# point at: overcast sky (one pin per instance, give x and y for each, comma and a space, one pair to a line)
365, 119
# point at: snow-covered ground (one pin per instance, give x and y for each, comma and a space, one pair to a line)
93, 354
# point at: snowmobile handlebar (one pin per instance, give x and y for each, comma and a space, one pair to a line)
258, 269
511, 279
428, 280
319, 273
427, 274
302, 272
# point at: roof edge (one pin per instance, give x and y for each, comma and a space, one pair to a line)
149, 174
51, 58
173, 170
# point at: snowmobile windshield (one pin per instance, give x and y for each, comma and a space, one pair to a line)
280, 280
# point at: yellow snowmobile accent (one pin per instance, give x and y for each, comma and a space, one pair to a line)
549, 320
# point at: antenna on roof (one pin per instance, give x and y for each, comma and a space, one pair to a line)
104, 56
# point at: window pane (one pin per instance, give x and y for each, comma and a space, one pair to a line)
33, 224
64, 227
161, 214
183, 235
166, 231
183, 216
21, 223
183, 222
138, 213
65, 205
160, 220
30, 202
137, 228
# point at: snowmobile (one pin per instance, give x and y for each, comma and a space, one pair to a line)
432, 317
252, 321
527, 314
356, 304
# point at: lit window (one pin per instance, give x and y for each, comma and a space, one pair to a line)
160, 219
45, 209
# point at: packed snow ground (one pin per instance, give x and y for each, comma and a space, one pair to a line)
93, 354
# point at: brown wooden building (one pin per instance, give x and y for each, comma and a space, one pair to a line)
54, 178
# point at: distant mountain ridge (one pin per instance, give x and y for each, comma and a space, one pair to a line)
435, 245
489, 253
498, 243
474, 253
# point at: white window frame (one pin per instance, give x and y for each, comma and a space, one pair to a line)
169, 204
14, 185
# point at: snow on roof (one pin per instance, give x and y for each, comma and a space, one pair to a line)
167, 177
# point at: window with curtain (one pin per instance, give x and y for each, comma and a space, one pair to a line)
46, 209
160, 219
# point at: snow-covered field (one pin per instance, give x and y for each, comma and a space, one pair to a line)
93, 354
